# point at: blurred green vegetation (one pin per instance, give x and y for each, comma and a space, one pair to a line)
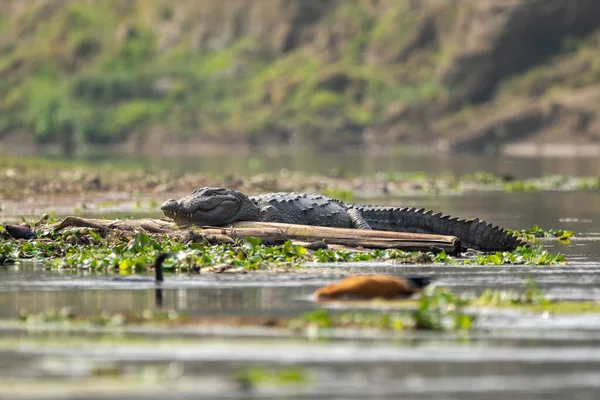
86, 73
91, 73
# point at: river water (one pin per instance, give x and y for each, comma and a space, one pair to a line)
510, 355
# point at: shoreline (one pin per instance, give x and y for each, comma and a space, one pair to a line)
22, 144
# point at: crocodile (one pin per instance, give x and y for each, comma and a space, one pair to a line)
209, 206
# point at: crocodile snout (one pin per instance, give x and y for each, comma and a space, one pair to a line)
170, 205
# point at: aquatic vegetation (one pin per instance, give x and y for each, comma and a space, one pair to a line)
436, 309
85, 248
252, 377
532, 299
484, 178
324, 319
441, 309
64, 314
551, 182
537, 232
325, 255
531, 296
520, 186
89, 248
532, 255
67, 315
589, 184
320, 317
137, 253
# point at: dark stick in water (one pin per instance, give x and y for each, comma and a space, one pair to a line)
158, 266
158, 293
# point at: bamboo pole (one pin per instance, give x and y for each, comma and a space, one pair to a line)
342, 236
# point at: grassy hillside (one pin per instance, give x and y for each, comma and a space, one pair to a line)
319, 72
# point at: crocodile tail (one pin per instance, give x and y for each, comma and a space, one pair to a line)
473, 233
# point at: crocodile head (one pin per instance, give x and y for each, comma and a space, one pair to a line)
210, 206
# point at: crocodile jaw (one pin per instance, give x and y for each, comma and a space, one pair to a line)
191, 210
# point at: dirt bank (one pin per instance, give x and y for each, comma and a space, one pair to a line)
155, 77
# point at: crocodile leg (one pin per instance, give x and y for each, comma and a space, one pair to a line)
357, 219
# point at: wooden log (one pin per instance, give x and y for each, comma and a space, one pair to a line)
342, 236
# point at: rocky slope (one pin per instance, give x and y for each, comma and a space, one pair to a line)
156, 76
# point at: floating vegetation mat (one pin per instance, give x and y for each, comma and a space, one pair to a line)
130, 250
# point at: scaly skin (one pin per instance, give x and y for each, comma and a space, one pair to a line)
217, 206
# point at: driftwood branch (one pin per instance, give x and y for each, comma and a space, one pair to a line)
148, 225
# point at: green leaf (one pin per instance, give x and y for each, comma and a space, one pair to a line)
251, 242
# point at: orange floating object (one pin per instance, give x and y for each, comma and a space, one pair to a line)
372, 286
